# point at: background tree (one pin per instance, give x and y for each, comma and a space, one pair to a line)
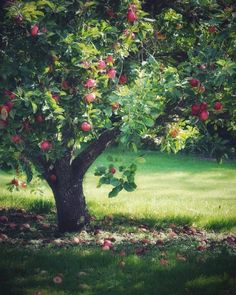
80, 75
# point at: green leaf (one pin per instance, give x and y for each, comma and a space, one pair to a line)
34, 107
115, 191
149, 122
130, 187
115, 181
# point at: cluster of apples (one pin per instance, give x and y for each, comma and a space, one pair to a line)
200, 110
103, 66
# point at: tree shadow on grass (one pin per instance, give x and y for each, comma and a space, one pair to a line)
223, 224
21, 273
158, 223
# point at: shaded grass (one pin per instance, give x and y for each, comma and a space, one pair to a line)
200, 274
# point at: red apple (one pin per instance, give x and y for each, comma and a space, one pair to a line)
53, 178
65, 85
111, 73
113, 170
174, 133
90, 97
9, 104
39, 118
45, 145
115, 106
110, 13
101, 64
34, 30
24, 185
5, 108
131, 16
218, 106
90, 83
16, 139
109, 59
212, 29
195, 109
194, 82
3, 218
10, 94
15, 182
204, 115
56, 97
123, 79
203, 106
85, 126
107, 243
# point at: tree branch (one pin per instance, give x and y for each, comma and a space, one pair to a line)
85, 159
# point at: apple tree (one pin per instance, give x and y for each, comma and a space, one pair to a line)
77, 76
61, 64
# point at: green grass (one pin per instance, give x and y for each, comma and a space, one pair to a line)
171, 189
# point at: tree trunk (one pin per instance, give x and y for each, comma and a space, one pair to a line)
72, 212
67, 187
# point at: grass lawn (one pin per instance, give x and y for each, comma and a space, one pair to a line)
173, 235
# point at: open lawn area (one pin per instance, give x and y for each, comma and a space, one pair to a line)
174, 235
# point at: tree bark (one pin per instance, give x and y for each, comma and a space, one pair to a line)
72, 212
